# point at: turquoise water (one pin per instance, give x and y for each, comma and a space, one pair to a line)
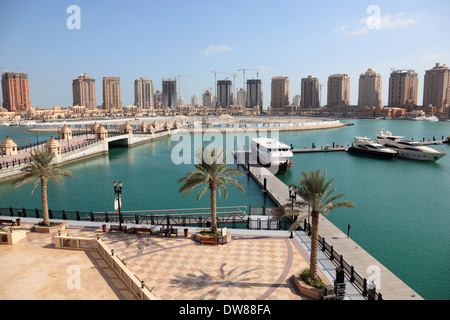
149, 182
402, 216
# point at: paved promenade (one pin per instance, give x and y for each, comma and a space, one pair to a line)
254, 265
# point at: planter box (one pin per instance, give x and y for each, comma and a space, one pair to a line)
306, 289
43, 229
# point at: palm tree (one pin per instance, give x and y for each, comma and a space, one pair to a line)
214, 174
40, 165
316, 193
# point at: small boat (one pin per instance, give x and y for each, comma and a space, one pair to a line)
419, 118
365, 147
431, 118
408, 149
271, 152
6, 124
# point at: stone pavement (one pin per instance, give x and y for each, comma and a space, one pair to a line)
254, 265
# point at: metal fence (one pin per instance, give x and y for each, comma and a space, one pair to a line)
235, 217
356, 279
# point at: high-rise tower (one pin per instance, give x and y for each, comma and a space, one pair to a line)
84, 92
111, 93
15, 90
370, 85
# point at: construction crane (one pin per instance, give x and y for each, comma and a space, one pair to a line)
243, 71
179, 82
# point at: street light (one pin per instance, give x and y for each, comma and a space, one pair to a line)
292, 196
118, 191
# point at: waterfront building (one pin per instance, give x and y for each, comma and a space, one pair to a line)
84, 92
224, 94
52, 145
208, 99
8, 147
241, 97
143, 93
65, 133
16, 92
296, 100
310, 92
370, 85
194, 100
403, 88
111, 93
169, 93
436, 87
157, 99
254, 94
338, 92
279, 94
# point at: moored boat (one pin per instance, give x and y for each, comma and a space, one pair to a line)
408, 149
364, 147
271, 152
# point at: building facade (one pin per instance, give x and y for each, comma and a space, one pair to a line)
224, 93
84, 92
143, 93
194, 100
111, 93
370, 86
310, 93
254, 96
403, 88
279, 93
208, 99
338, 93
16, 92
169, 93
241, 97
436, 87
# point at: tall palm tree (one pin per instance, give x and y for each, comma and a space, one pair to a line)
315, 192
214, 174
40, 165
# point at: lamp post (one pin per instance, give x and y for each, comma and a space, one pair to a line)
118, 191
292, 197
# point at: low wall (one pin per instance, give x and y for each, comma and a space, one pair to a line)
11, 238
127, 277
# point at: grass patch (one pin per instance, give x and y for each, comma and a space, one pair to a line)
52, 224
314, 283
211, 234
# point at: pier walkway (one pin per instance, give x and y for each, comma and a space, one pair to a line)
388, 284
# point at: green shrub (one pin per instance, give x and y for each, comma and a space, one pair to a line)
314, 283
211, 234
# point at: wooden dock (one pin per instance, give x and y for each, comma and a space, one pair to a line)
388, 284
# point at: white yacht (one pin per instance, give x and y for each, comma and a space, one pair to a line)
431, 118
270, 152
365, 147
408, 149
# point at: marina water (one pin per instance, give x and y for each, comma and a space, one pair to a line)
402, 214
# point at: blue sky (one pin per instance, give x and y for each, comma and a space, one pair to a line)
161, 39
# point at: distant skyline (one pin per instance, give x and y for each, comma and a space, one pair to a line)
162, 39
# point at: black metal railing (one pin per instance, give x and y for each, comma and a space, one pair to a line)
355, 278
234, 217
